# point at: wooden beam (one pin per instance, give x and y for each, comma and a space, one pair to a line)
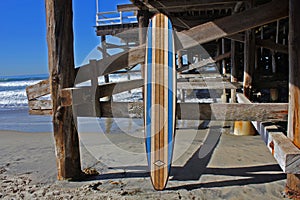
115, 88
127, 8
189, 111
196, 111
197, 7
179, 4
223, 52
115, 46
60, 39
232, 112
285, 152
206, 85
202, 75
40, 105
271, 45
101, 50
251, 18
40, 112
142, 4
204, 62
293, 181
111, 64
38, 90
237, 37
87, 94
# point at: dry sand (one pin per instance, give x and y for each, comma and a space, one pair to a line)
238, 167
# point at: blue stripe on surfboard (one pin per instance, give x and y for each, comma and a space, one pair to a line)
170, 94
149, 92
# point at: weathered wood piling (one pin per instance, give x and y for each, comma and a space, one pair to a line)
293, 180
62, 75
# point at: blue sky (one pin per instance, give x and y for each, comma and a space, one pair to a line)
23, 47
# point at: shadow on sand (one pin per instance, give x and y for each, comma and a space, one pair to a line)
196, 166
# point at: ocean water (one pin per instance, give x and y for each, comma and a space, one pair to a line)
12, 90
14, 105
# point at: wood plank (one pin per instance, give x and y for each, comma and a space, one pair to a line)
60, 40
38, 90
202, 75
203, 79
269, 44
285, 152
115, 88
87, 94
111, 64
232, 112
236, 23
204, 62
40, 105
40, 112
198, 7
127, 8
180, 4
199, 111
239, 37
115, 46
206, 85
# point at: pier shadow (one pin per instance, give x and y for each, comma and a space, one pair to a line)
247, 176
196, 167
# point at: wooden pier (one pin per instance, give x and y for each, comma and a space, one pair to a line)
254, 44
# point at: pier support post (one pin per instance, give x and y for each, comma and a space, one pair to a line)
143, 20
180, 65
59, 18
293, 181
223, 61
249, 61
246, 127
234, 73
104, 54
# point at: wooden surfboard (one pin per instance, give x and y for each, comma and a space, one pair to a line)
160, 99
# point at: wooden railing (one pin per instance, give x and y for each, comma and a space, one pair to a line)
115, 17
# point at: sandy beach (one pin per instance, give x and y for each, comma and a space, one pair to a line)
239, 167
